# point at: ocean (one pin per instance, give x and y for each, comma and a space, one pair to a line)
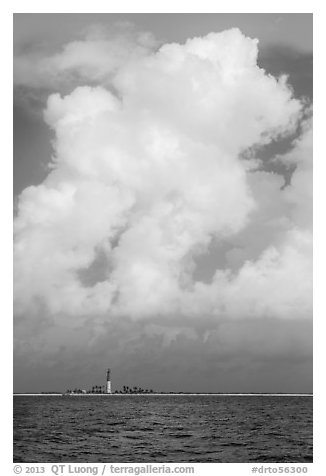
163, 429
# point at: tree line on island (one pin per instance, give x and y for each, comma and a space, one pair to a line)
102, 389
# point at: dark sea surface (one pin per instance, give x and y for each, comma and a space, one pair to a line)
168, 428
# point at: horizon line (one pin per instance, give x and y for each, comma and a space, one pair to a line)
44, 394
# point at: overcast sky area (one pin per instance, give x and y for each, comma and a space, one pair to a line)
163, 201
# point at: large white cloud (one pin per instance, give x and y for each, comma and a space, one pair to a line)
148, 178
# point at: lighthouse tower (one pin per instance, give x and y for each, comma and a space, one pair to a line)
108, 381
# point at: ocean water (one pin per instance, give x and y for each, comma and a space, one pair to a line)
168, 428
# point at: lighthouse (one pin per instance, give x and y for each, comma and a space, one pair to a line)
108, 381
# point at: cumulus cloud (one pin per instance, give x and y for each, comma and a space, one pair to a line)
149, 177
94, 58
278, 284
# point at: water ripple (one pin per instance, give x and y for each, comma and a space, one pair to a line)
163, 429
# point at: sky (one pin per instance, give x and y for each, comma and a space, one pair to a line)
163, 201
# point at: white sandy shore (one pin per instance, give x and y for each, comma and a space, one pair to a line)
161, 394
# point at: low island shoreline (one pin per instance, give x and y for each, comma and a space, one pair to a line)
160, 394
